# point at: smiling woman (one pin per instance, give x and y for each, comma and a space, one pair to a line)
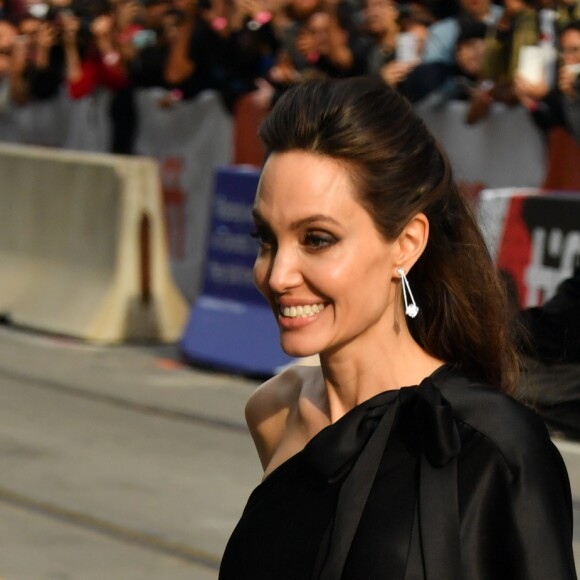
322, 249
402, 456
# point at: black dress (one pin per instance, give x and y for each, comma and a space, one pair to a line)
450, 480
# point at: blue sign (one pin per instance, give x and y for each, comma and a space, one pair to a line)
231, 326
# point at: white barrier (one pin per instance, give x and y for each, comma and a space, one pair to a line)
81, 125
503, 150
83, 247
190, 140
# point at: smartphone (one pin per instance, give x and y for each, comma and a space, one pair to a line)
39, 11
144, 38
407, 49
573, 68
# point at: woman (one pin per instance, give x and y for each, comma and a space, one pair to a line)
402, 456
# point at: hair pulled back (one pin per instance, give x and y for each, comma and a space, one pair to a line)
398, 171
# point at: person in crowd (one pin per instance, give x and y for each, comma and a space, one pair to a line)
440, 44
558, 106
399, 35
297, 13
518, 27
38, 60
381, 24
326, 45
416, 19
45, 71
566, 10
552, 383
14, 10
219, 46
443, 82
94, 62
8, 34
146, 51
255, 39
91, 54
403, 454
320, 41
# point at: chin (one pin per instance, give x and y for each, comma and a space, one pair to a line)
299, 349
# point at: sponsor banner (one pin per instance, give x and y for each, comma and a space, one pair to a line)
231, 326
534, 237
231, 249
190, 140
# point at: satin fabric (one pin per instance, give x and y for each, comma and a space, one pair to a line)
447, 480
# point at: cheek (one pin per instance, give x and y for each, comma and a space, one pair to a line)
260, 274
358, 277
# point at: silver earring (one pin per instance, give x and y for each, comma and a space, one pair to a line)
411, 308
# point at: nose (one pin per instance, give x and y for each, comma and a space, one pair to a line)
284, 272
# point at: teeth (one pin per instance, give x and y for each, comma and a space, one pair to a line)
302, 311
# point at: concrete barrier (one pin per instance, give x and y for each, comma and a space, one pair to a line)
83, 246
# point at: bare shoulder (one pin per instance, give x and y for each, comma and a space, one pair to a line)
272, 405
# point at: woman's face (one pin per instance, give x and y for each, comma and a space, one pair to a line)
323, 266
380, 16
570, 47
470, 56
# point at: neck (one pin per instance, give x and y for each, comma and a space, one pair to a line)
358, 372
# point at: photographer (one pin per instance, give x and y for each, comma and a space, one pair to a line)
560, 106
7, 38
147, 50
568, 78
37, 68
93, 62
216, 49
46, 69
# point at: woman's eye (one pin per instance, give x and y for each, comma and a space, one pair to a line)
319, 240
265, 238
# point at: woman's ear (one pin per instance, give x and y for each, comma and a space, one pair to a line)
412, 241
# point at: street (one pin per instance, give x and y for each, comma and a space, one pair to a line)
117, 462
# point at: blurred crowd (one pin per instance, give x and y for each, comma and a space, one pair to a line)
522, 52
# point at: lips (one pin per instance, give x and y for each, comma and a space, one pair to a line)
301, 310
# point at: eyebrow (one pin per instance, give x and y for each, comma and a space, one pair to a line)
319, 217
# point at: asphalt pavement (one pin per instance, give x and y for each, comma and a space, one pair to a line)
117, 462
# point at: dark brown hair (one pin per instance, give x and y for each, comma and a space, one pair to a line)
399, 170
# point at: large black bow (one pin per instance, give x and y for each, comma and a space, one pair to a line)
353, 448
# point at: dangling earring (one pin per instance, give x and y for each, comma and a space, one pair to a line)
411, 308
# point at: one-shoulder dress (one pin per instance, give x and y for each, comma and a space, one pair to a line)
447, 480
